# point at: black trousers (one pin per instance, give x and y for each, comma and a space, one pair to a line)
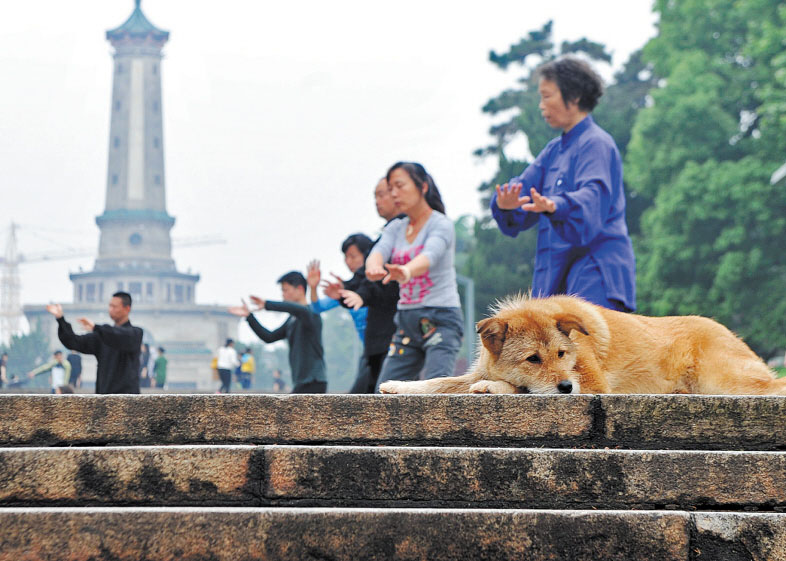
368, 372
226, 379
310, 387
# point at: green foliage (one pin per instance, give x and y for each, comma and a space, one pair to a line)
704, 151
713, 247
25, 352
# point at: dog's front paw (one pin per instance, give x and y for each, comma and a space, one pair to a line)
480, 387
393, 386
491, 386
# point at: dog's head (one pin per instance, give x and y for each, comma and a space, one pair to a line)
532, 351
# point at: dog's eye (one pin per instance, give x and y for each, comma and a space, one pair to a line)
561, 354
534, 359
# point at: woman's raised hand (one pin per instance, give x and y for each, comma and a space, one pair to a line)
509, 196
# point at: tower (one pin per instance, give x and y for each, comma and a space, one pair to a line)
135, 247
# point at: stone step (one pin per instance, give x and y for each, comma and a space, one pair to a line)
437, 477
580, 421
243, 534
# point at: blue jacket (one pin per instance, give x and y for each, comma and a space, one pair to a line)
581, 171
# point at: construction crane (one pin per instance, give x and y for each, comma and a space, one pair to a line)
11, 315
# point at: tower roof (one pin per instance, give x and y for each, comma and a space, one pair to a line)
137, 26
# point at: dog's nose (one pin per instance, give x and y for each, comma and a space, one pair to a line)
565, 386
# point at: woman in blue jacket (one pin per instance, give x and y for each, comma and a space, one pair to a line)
573, 192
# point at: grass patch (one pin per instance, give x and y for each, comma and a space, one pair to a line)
780, 371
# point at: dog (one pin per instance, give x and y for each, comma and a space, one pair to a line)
563, 344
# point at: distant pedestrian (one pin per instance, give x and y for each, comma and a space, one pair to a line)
116, 347
247, 368
144, 372
226, 362
159, 369
59, 371
75, 359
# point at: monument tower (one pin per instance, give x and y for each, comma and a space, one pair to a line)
135, 246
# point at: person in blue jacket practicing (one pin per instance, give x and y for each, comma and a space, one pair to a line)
573, 192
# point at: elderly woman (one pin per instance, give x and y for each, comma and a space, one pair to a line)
573, 192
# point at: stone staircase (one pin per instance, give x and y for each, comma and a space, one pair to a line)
242, 477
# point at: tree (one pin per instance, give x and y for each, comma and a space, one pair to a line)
704, 151
25, 352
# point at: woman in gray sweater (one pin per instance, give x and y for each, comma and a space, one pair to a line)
418, 252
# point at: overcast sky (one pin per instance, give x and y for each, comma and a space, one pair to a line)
279, 118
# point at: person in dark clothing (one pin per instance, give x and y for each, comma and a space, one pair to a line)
75, 380
144, 358
116, 347
302, 330
380, 299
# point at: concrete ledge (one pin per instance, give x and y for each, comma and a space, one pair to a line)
343, 476
738, 536
582, 421
34, 420
350, 534
512, 478
166, 475
694, 421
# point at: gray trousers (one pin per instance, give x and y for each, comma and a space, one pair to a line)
424, 337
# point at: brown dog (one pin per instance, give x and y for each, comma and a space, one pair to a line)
564, 344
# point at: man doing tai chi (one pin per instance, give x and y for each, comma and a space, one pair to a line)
116, 347
302, 330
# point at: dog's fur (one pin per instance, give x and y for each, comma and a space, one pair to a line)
564, 344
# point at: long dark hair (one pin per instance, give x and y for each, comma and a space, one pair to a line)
419, 176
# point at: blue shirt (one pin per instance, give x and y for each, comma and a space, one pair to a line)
581, 171
358, 316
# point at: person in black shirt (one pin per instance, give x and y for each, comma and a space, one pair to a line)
75, 381
302, 330
116, 347
381, 300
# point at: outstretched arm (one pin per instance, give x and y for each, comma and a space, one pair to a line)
88, 343
123, 337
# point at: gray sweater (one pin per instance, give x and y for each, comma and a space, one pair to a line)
436, 240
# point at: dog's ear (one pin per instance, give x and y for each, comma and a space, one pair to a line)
492, 332
568, 322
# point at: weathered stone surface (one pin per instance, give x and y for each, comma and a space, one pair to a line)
472, 420
739, 536
513, 478
167, 475
338, 534
693, 421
